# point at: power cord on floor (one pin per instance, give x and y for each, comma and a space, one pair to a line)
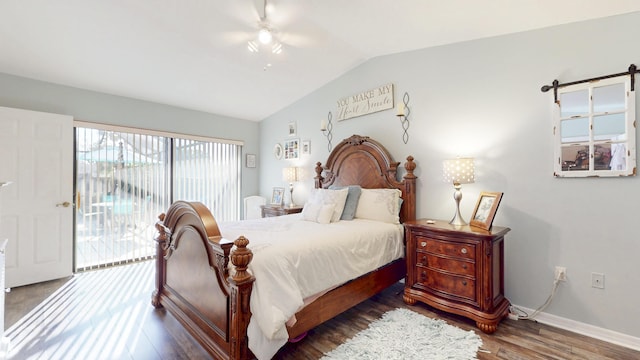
516, 313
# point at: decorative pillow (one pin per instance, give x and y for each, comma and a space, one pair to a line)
328, 196
379, 204
350, 205
325, 214
310, 211
317, 212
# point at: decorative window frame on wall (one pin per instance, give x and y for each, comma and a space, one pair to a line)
594, 128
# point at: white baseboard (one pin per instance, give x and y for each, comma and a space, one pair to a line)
596, 332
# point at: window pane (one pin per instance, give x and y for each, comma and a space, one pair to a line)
121, 182
575, 158
608, 98
574, 130
618, 157
609, 127
574, 103
601, 156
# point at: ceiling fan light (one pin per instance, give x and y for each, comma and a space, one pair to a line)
252, 46
276, 48
265, 36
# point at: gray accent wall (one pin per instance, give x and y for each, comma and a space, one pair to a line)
482, 99
90, 106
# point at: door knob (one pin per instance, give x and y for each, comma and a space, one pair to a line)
64, 204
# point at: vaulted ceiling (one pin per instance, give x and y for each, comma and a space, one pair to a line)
193, 53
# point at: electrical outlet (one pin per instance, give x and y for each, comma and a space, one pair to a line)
597, 280
560, 273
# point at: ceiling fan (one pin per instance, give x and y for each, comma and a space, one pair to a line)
266, 36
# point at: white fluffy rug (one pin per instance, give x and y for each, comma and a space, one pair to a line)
404, 334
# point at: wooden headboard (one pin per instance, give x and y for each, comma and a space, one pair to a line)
359, 160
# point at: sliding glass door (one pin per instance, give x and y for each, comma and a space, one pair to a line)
124, 180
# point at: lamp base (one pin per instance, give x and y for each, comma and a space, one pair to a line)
457, 218
291, 204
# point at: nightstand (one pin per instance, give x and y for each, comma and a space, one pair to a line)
458, 269
275, 210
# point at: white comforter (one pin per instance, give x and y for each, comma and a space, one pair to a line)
294, 259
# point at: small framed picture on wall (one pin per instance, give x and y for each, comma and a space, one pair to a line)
306, 147
292, 149
251, 160
292, 129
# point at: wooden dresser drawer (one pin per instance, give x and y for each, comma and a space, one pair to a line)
460, 267
449, 284
466, 251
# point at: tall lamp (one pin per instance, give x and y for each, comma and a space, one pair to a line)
458, 171
290, 175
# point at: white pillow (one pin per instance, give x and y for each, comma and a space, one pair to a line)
335, 197
379, 204
316, 212
325, 214
310, 211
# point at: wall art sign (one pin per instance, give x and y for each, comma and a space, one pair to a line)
366, 102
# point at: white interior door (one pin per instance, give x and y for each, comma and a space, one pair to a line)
36, 210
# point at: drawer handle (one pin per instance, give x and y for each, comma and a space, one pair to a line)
424, 261
423, 276
464, 250
423, 244
464, 266
464, 282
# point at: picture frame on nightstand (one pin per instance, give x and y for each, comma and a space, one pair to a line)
277, 196
485, 209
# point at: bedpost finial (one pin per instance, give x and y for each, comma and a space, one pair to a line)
162, 233
318, 179
410, 166
240, 258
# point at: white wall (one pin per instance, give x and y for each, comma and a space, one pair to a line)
482, 99
23, 93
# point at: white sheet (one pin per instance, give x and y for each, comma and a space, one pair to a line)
294, 259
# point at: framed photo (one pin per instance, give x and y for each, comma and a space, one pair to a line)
251, 160
292, 149
277, 196
292, 129
485, 210
306, 147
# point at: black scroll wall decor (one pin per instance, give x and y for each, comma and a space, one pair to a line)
403, 115
555, 85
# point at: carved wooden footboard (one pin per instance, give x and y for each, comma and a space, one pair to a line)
193, 281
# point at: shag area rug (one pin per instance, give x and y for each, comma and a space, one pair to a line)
404, 334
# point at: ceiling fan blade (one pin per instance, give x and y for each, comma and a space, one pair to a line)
236, 37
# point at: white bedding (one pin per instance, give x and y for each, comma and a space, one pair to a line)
294, 259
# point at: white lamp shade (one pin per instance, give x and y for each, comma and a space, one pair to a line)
460, 170
290, 174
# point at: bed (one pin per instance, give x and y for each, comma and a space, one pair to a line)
204, 279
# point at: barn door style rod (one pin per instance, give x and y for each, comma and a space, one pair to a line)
555, 84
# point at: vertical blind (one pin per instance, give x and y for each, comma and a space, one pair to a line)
210, 173
124, 180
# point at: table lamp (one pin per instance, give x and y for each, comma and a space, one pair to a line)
458, 171
290, 175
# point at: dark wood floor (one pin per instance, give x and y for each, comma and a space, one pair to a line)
106, 314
